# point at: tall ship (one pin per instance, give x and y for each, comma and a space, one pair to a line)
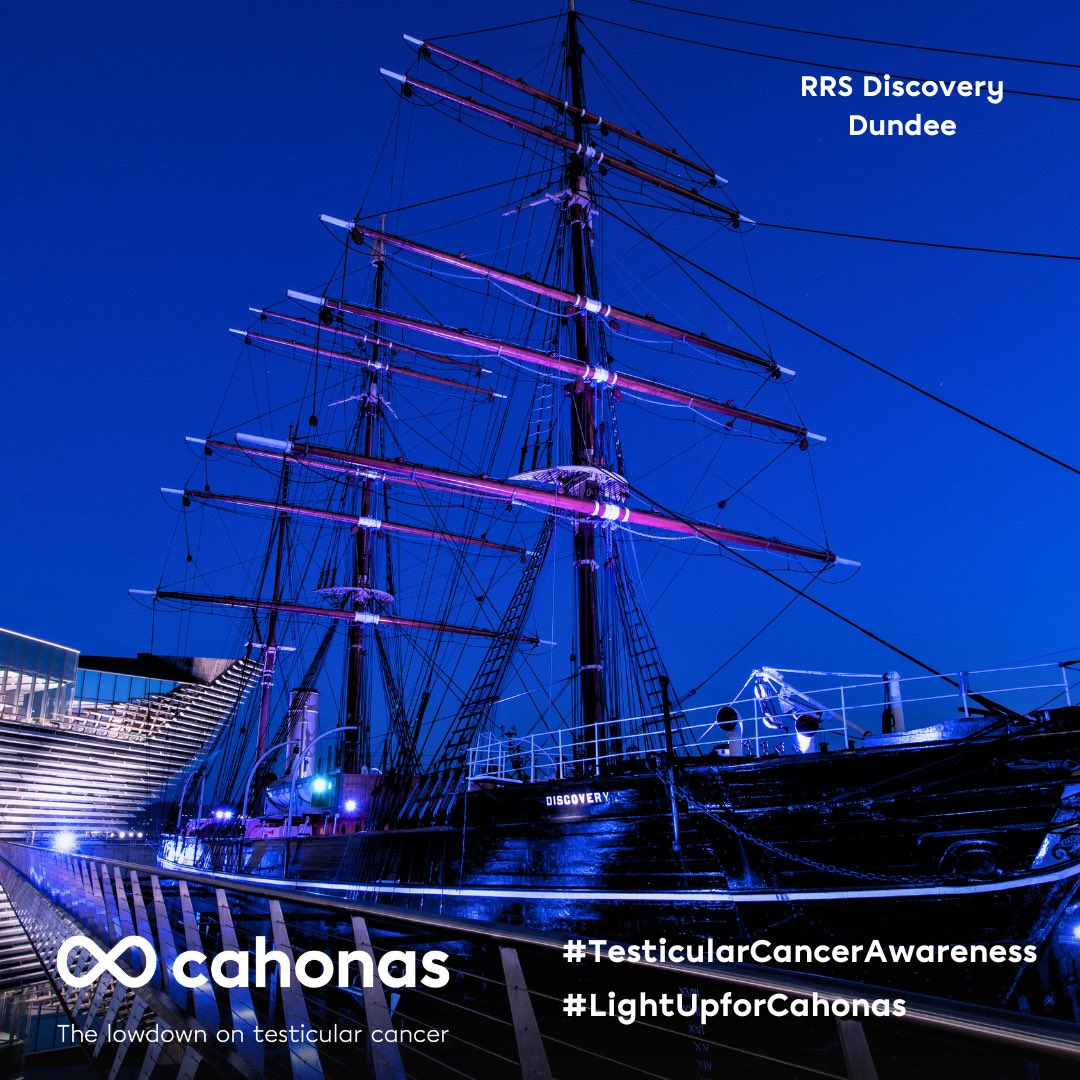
482, 454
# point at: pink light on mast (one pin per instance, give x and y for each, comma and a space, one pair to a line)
582, 149
372, 365
370, 339
590, 373
369, 618
359, 522
427, 476
590, 118
573, 302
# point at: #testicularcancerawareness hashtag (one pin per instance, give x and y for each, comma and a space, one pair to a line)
574, 951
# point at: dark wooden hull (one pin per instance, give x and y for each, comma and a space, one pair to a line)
945, 842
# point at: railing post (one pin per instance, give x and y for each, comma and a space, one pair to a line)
189, 1067
857, 1056
166, 944
304, 1057
962, 682
97, 905
206, 1010
113, 932
97, 997
153, 1052
127, 925
137, 1010
84, 906
138, 901
385, 1056
530, 1044
241, 1008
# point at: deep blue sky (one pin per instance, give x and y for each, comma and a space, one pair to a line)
164, 167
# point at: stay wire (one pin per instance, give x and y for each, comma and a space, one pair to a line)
692, 211
641, 90
803, 63
750, 640
879, 368
647, 234
493, 29
800, 592
918, 243
851, 37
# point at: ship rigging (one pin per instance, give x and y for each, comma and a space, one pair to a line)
587, 491
469, 501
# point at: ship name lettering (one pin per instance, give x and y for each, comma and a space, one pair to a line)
578, 798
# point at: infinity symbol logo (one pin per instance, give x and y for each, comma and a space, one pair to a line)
106, 961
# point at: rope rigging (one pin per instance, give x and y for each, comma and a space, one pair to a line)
477, 441
679, 260
801, 62
850, 37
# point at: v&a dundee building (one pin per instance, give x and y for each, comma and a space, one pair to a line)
90, 747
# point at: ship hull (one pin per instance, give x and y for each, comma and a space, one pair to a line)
966, 841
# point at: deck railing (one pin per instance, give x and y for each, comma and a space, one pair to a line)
851, 711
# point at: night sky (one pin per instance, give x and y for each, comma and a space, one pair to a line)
165, 167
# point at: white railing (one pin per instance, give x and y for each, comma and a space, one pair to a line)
838, 711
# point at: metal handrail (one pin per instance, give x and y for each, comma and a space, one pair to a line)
533, 755
982, 1023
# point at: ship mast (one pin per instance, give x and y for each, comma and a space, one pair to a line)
582, 488
583, 411
270, 647
356, 744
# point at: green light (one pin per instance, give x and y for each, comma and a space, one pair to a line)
320, 785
